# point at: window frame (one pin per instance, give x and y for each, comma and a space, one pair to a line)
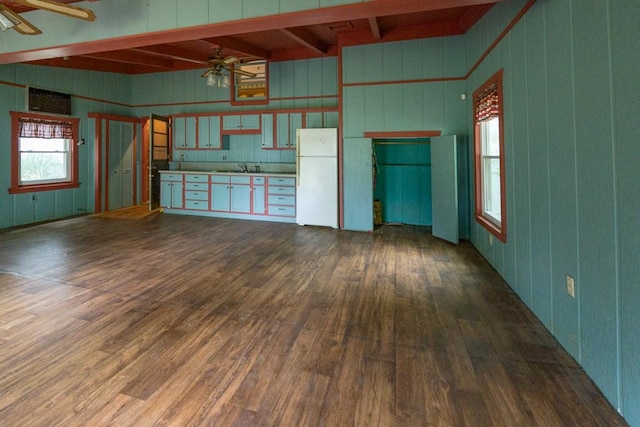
16, 186
486, 220
249, 101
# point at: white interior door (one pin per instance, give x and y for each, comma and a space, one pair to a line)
444, 187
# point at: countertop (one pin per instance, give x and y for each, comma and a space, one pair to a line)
287, 174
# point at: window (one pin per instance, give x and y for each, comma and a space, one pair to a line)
43, 153
250, 82
490, 209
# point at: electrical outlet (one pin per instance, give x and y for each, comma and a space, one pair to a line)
571, 286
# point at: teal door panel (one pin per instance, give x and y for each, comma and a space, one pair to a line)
358, 184
444, 177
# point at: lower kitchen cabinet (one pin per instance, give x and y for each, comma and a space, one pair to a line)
171, 187
220, 193
240, 194
196, 192
231, 193
243, 196
282, 196
258, 194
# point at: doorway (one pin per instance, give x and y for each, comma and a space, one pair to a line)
403, 180
159, 156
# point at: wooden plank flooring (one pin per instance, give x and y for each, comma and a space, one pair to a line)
173, 320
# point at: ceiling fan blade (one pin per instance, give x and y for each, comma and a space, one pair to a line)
206, 73
229, 60
20, 24
64, 9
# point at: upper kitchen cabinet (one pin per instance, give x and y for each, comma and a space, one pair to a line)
288, 124
200, 132
279, 128
267, 130
241, 124
321, 119
209, 137
184, 132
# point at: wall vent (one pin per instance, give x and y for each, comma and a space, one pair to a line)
48, 101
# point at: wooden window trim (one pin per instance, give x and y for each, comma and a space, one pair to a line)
16, 188
499, 231
249, 101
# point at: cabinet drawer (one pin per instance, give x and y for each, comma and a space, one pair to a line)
240, 179
276, 199
282, 181
258, 180
282, 210
171, 176
196, 178
196, 195
196, 186
220, 179
281, 190
196, 204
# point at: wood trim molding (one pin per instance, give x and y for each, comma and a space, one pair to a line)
502, 35
403, 134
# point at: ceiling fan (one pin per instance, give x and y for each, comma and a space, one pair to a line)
10, 19
220, 67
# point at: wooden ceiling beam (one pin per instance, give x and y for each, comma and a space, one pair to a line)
306, 39
133, 57
239, 46
375, 28
174, 53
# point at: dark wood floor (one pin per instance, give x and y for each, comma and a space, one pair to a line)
174, 320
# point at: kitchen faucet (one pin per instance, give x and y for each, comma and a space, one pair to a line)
243, 167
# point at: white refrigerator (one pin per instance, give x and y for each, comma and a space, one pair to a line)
317, 184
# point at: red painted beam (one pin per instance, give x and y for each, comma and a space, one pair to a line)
326, 15
403, 134
305, 39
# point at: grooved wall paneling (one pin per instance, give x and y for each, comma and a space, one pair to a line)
571, 109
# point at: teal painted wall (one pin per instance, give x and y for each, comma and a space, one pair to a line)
21, 209
571, 73
399, 106
409, 86
313, 81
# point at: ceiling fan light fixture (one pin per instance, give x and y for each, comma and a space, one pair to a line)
211, 80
